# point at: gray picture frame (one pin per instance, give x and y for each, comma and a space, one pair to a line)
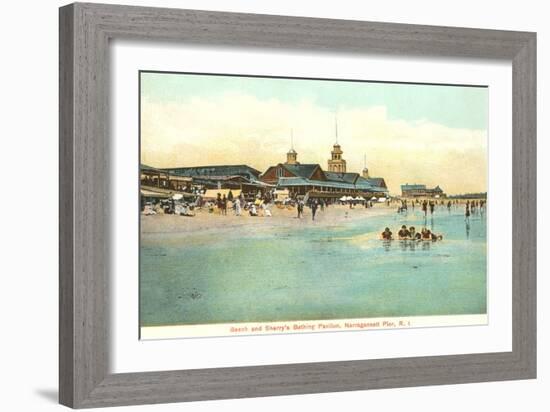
85, 32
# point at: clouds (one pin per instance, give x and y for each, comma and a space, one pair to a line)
235, 128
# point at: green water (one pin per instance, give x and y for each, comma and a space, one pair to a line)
341, 271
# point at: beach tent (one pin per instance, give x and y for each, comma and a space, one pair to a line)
343, 199
153, 194
374, 198
382, 199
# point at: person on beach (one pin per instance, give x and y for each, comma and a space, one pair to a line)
300, 208
425, 207
403, 233
449, 206
467, 213
387, 234
432, 206
265, 210
237, 207
224, 205
313, 209
219, 202
253, 211
412, 232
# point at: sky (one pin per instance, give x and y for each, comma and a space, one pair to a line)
409, 133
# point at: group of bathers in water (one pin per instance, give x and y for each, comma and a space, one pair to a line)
411, 234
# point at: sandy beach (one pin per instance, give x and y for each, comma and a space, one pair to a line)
286, 217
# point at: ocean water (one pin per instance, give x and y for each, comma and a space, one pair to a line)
317, 272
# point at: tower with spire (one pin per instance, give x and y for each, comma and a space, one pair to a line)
292, 155
336, 163
365, 173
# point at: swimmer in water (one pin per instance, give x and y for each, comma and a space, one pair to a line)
387, 234
403, 233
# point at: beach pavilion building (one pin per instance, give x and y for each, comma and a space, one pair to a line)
309, 178
159, 179
239, 178
420, 190
157, 184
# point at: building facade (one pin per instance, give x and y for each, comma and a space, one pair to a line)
215, 170
218, 177
309, 178
160, 180
420, 190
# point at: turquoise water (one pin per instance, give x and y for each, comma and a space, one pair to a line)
316, 272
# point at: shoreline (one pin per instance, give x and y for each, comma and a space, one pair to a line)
203, 221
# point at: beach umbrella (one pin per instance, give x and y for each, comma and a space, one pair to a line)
374, 198
343, 199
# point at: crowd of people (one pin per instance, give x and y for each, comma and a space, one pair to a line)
424, 204
471, 207
262, 205
474, 207
313, 204
259, 207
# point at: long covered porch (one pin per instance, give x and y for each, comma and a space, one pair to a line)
159, 179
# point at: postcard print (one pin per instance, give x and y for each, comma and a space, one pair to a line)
289, 205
